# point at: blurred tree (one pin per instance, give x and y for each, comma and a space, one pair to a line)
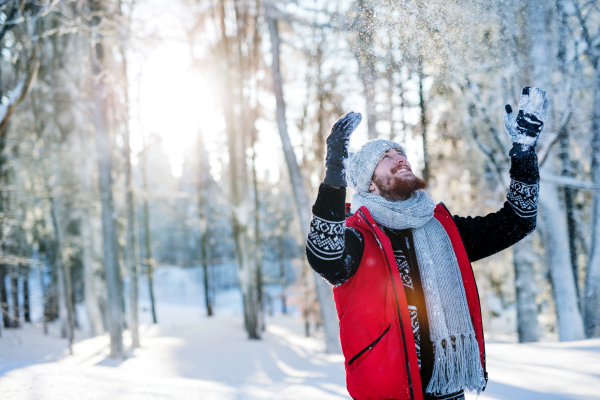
98, 24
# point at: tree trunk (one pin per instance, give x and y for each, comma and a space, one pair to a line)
282, 280
89, 279
569, 196
258, 254
239, 187
26, 308
526, 290
3, 266
131, 254
109, 229
324, 292
564, 136
592, 284
4, 296
207, 300
131, 250
44, 293
63, 275
203, 214
240, 214
16, 310
51, 306
423, 120
554, 227
570, 323
204, 260
148, 233
90, 265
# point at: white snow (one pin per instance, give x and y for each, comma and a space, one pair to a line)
12, 98
3, 110
190, 356
194, 357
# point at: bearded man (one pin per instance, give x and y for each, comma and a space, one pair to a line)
410, 320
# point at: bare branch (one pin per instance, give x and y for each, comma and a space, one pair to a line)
34, 65
554, 136
590, 50
494, 132
489, 155
8, 25
567, 181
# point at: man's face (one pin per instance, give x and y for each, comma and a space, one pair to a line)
393, 178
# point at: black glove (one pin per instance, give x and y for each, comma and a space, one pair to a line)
337, 148
533, 110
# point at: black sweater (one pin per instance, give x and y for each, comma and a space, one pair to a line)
335, 251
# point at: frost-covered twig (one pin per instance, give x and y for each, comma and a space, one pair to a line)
568, 181
475, 90
19, 92
276, 13
554, 136
590, 50
497, 168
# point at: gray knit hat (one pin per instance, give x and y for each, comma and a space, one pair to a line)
360, 166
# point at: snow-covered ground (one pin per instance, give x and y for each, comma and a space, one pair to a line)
190, 356
194, 357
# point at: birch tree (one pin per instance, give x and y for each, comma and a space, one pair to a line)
131, 253
324, 292
590, 35
105, 181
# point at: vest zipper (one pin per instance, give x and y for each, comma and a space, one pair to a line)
410, 385
370, 346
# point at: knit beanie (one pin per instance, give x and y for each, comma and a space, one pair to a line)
360, 165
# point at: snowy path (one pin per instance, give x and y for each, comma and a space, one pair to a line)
543, 371
207, 359
211, 359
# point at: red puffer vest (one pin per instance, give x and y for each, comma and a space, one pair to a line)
375, 326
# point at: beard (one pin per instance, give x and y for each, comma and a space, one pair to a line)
396, 188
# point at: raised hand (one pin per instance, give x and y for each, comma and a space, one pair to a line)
533, 111
337, 148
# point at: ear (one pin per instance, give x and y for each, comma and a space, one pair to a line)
372, 187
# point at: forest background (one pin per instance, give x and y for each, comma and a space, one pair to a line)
140, 135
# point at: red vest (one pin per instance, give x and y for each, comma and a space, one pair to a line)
375, 326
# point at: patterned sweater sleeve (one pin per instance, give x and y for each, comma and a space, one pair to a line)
333, 250
484, 236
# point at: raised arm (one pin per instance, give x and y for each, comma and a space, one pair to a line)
484, 236
333, 250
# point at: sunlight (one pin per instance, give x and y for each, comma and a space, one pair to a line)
175, 102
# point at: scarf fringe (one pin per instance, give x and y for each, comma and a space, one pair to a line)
456, 366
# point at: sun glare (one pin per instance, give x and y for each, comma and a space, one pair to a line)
174, 103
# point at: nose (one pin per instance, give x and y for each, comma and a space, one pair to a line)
399, 160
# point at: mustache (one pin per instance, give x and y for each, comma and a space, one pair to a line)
393, 170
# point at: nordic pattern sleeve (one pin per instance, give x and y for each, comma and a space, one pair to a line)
484, 236
333, 250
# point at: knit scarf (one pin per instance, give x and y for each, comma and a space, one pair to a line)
456, 365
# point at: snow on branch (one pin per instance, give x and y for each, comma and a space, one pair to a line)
567, 181
552, 137
19, 92
12, 99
